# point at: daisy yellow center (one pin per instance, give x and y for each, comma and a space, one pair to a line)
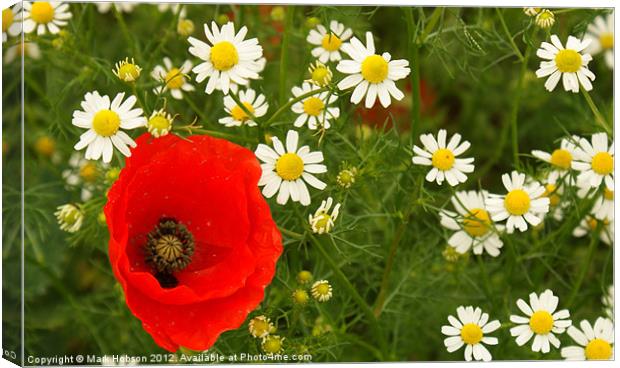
7, 19
224, 55
477, 222
607, 41
331, 42
552, 194
443, 159
322, 289
517, 202
159, 122
260, 326
128, 71
561, 158
272, 344
289, 166
608, 194
319, 74
313, 106
72, 216
45, 146
42, 12
174, 79
568, 61
546, 15
598, 349
471, 333
541, 322
322, 221
88, 172
374, 69
238, 114
592, 223
603, 163
106, 123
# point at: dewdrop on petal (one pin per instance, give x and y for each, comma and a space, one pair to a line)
320, 74
70, 217
260, 326
322, 291
160, 123
300, 297
272, 344
545, 19
127, 71
304, 277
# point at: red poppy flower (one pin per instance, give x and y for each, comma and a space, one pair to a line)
192, 241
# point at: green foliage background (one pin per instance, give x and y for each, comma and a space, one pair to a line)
472, 75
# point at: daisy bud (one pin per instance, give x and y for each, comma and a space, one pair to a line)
45, 146
70, 217
112, 174
260, 327
450, 254
312, 22
272, 344
545, 19
127, 71
222, 19
304, 277
278, 13
322, 291
101, 218
346, 177
300, 297
185, 27
160, 123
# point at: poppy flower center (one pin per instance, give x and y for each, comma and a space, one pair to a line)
224, 55
561, 158
541, 322
106, 123
169, 248
7, 19
374, 69
568, 61
289, 166
517, 202
42, 12
603, 163
331, 42
313, 106
443, 159
238, 113
471, 333
174, 79
598, 349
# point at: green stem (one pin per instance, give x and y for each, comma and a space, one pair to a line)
370, 317
413, 47
194, 107
290, 12
291, 102
512, 42
485, 277
431, 24
585, 266
514, 113
597, 114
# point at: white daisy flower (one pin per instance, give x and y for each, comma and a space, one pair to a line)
104, 119
81, 173
522, 203
470, 329
176, 79
320, 74
256, 104
603, 208
593, 343
569, 63
229, 60
260, 326
443, 158
541, 322
321, 291
608, 301
595, 161
545, 19
314, 110
554, 190
372, 75
45, 16
531, 12
159, 123
561, 159
28, 49
121, 7
329, 42
288, 171
589, 224
70, 217
472, 224
601, 34
322, 222
10, 21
